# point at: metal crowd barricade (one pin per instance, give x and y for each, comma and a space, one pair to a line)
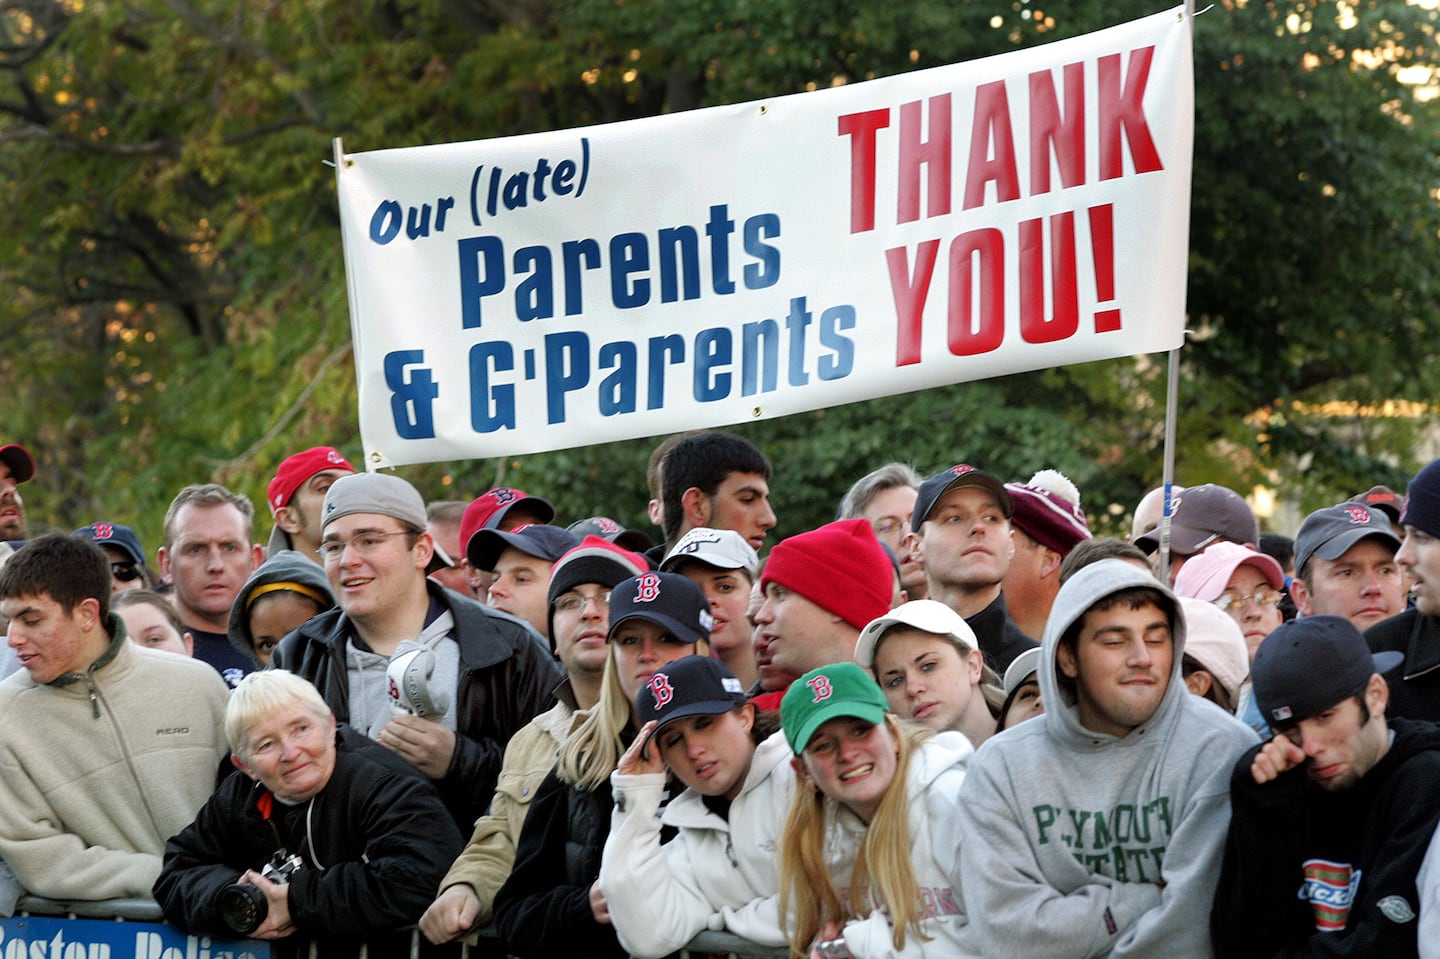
135, 929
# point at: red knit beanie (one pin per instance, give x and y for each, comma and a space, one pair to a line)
841, 567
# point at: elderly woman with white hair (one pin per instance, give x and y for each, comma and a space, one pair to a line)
320, 840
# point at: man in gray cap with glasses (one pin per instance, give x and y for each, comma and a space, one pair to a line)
485, 674
1330, 819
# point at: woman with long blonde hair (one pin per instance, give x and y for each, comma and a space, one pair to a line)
869, 864
552, 904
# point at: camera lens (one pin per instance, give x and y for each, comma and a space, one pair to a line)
243, 907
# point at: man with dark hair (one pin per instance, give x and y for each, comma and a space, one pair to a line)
488, 673
106, 748
208, 555
1095, 829
296, 494
16, 467
1331, 818
1345, 565
1415, 686
717, 480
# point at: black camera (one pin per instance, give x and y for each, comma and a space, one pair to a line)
243, 905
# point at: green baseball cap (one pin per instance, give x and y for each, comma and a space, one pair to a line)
841, 689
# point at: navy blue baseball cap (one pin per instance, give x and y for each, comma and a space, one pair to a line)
669, 600
690, 686
122, 538
1307, 665
545, 542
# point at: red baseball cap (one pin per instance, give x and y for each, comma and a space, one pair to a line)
18, 458
296, 469
491, 506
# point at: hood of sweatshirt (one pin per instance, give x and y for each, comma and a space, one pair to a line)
1080, 592
285, 566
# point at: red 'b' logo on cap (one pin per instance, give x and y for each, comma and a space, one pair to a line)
1358, 514
962, 469
648, 589
660, 688
820, 686
104, 531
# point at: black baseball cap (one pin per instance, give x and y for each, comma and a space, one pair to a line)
544, 542
1309, 664
669, 600
691, 686
961, 474
18, 458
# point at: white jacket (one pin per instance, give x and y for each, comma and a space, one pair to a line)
936, 771
713, 875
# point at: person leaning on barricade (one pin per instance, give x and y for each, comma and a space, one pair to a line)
106, 749
325, 838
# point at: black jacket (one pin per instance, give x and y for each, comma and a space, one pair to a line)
543, 910
1415, 683
1355, 853
506, 675
375, 841
999, 638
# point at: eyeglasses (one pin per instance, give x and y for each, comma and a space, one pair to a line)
124, 572
891, 527
366, 542
574, 602
1235, 604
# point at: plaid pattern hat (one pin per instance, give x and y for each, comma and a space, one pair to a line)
841, 689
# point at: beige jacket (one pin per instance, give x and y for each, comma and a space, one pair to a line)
488, 857
97, 774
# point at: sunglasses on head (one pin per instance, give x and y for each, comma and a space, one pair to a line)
124, 572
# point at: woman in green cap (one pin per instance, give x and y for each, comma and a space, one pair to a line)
869, 864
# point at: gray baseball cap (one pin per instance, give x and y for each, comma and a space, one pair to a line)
1329, 532
379, 493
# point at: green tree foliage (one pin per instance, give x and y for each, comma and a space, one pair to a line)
175, 304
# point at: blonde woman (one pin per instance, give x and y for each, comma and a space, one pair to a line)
926, 659
552, 905
869, 864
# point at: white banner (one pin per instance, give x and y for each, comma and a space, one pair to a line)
735, 263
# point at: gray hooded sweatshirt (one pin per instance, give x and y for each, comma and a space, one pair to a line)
1080, 843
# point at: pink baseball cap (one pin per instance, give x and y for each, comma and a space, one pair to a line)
1205, 575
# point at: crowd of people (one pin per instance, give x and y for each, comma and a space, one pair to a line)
951, 722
